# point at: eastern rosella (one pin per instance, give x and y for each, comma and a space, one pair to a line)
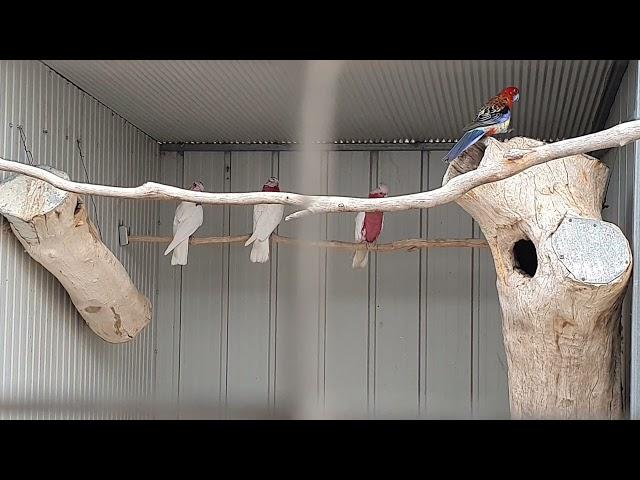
266, 218
186, 221
493, 117
368, 228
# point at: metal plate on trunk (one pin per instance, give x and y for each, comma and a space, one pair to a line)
593, 251
25, 197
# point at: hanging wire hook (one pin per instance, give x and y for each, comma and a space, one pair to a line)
86, 173
23, 138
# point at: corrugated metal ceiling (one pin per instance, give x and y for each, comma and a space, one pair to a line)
259, 101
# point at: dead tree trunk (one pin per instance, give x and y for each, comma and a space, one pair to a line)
561, 276
55, 230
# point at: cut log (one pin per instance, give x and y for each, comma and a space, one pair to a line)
55, 230
561, 276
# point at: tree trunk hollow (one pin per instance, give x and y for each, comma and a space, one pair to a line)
55, 230
561, 277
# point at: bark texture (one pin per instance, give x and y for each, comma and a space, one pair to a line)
55, 230
561, 332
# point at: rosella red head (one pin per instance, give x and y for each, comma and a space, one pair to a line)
510, 93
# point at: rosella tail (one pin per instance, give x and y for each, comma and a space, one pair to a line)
468, 139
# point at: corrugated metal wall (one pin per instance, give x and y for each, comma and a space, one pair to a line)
620, 196
49, 356
416, 335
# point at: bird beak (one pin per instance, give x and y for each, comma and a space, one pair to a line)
516, 98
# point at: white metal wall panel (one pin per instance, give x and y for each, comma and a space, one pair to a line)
449, 306
249, 319
299, 367
490, 385
49, 356
168, 301
396, 340
347, 325
202, 321
620, 201
397, 290
259, 101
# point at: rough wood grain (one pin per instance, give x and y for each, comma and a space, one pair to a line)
55, 230
561, 335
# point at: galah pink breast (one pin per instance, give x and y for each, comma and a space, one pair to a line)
368, 228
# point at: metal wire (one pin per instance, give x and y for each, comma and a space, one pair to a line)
86, 173
23, 138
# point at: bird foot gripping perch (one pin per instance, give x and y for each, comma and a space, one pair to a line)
55, 230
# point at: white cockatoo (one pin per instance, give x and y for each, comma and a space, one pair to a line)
368, 228
186, 221
266, 217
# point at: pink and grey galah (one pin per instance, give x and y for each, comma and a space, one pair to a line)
368, 228
186, 221
266, 218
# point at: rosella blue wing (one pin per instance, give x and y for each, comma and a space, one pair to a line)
494, 113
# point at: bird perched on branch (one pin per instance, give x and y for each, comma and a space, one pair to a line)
266, 217
494, 117
368, 228
186, 221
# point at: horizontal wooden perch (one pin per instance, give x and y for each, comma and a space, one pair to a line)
500, 164
409, 245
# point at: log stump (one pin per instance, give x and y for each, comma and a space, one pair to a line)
54, 228
561, 277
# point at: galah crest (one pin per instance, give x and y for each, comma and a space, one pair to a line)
186, 221
494, 117
266, 217
368, 228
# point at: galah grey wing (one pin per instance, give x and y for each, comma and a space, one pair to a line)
187, 220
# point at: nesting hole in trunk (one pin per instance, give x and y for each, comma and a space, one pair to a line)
525, 257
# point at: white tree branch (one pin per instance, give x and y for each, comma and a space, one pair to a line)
500, 164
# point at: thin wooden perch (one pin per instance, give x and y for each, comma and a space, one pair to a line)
409, 245
500, 165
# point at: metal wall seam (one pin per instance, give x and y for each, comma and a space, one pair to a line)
635, 307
